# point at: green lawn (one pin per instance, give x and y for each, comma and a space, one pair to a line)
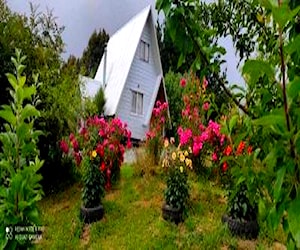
133, 219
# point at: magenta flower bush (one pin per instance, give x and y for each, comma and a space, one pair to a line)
102, 140
198, 132
154, 137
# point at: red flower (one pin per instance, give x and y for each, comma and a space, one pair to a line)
224, 166
240, 148
75, 145
102, 167
71, 137
228, 150
249, 150
205, 106
64, 146
182, 82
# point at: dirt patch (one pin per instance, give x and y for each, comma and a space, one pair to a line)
85, 236
246, 245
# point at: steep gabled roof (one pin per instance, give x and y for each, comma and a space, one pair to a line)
121, 49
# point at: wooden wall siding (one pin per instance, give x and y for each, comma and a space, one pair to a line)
142, 77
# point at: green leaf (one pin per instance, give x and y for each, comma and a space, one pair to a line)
29, 111
28, 92
232, 122
281, 15
294, 219
269, 120
293, 45
8, 116
293, 88
278, 183
262, 211
12, 80
22, 81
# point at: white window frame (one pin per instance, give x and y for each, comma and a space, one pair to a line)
137, 102
144, 51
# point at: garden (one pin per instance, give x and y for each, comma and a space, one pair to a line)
219, 166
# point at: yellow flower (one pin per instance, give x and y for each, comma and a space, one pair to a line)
94, 153
190, 150
186, 153
166, 143
182, 158
181, 169
174, 156
188, 162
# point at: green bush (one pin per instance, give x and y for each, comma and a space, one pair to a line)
20, 189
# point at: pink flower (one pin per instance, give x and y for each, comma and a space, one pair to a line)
205, 106
77, 157
215, 127
185, 136
214, 156
111, 147
75, 145
162, 119
158, 103
71, 137
204, 136
205, 83
64, 146
197, 147
183, 82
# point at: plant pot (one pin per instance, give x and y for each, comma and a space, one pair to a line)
172, 214
89, 215
242, 228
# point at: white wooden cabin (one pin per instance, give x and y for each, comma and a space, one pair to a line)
131, 73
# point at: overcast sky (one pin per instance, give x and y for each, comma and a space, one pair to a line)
82, 17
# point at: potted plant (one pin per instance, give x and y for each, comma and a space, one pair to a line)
176, 164
242, 210
99, 150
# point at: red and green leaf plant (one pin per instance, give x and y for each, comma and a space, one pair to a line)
102, 140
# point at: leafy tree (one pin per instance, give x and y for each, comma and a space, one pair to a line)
266, 35
39, 37
20, 189
93, 53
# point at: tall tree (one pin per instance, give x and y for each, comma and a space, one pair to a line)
92, 54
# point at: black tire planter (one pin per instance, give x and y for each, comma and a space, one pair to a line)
90, 215
242, 228
172, 214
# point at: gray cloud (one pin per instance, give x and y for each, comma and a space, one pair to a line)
82, 17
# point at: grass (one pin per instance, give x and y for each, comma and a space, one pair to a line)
133, 219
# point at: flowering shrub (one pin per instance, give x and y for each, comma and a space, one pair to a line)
154, 137
176, 163
104, 142
198, 132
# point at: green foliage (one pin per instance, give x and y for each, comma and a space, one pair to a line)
20, 189
39, 37
174, 93
100, 101
93, 184
93, 53
176, 164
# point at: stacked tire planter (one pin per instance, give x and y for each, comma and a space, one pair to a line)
242, 228
90, 215
172, 214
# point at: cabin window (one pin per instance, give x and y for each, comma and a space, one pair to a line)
144, 51
137, 103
